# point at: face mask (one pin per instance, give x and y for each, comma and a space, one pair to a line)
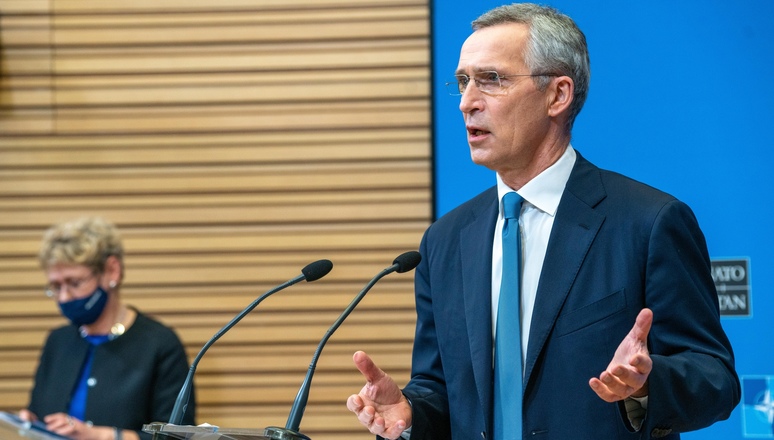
85, 311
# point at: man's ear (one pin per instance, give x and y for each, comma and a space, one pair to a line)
561, 96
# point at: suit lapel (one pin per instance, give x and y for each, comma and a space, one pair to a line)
575, 227
476, 254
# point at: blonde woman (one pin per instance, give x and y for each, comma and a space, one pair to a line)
112, 369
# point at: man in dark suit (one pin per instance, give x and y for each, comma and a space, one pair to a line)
614, 275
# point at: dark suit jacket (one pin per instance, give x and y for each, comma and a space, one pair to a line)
616, 246
138, 376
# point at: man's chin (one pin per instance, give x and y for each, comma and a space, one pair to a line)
481, 160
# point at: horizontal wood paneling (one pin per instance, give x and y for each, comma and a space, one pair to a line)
232, 142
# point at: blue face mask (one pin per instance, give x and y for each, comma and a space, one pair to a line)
86, 310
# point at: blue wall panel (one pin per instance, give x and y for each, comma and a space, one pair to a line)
681, 98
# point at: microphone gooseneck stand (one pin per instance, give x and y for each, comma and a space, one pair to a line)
311, 272
403, 263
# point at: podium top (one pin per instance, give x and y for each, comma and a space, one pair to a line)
14, 428
162, 431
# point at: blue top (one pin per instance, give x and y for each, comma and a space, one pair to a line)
77, 407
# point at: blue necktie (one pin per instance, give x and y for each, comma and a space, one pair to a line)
507, 364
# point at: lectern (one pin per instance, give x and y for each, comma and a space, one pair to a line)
166, 431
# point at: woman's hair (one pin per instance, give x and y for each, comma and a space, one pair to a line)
87, 241
556, 45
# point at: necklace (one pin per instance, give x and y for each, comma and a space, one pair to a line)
118, 328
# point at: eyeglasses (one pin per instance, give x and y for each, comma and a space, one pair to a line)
71, 286
488, 82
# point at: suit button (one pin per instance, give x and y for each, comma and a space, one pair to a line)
660, 432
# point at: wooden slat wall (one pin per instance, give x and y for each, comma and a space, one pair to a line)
232, 142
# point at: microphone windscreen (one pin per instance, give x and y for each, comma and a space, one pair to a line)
318, 269
407, 261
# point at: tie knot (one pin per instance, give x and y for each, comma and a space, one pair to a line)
511, 205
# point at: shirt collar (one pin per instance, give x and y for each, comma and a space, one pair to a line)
545, 190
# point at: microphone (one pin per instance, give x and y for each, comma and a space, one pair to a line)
402, 263
312, 272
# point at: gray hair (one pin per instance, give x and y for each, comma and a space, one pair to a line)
87, 241
556, 45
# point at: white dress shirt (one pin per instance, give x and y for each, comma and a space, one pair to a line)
541, 200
